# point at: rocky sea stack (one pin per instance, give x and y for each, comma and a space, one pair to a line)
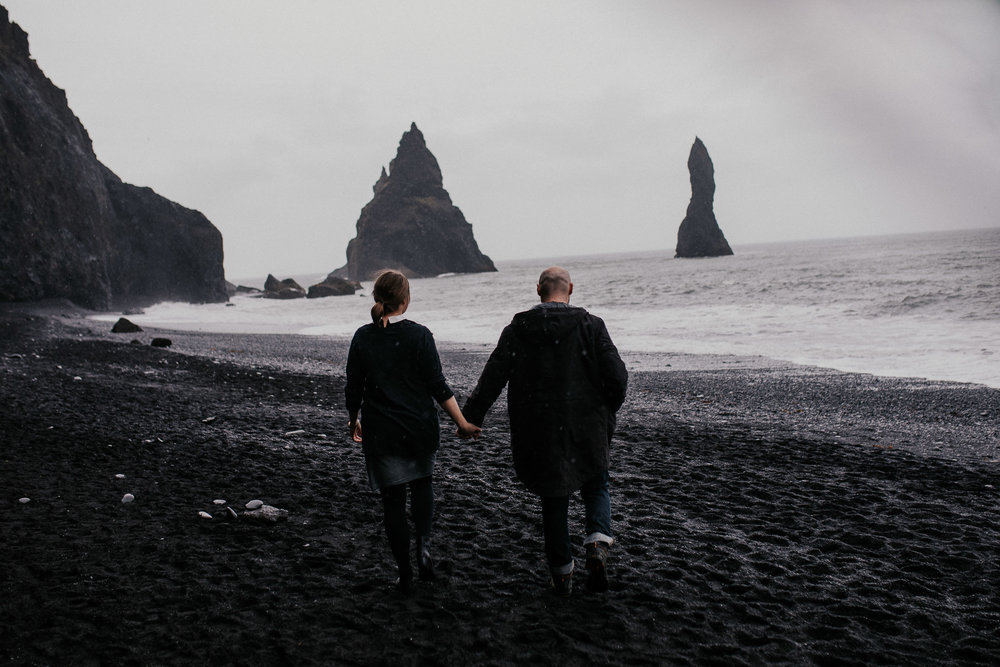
411, 224
699, 234
70, 228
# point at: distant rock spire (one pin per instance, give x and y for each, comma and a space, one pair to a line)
699, 234
411, 224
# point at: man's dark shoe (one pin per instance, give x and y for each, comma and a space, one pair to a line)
562, 584
597, 566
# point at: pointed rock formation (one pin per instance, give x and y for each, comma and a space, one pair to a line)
699, 234
69, 227
411, 224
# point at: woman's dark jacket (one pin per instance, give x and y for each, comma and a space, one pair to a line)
394, 377
565, 383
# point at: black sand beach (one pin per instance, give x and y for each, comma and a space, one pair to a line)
765, 513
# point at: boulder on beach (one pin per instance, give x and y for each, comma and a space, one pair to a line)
333, 286
283, 289
161, 342
125, 326
411, 224
699, 234
70, 228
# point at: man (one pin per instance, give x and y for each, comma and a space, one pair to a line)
566, 382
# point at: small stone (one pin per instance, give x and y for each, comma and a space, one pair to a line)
161, 342
231, 513
208, 420
219, 501
295, 432
24, 501
268, 514
255, 504
127, 498
77, 378
204, 515
119, 476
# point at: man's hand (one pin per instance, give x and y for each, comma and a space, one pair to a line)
467, 431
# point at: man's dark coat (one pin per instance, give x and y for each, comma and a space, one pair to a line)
566, 381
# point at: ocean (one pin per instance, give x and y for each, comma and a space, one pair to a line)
916, 305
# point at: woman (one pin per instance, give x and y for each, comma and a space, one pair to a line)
394, 375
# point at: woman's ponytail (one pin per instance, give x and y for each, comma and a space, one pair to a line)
378, 310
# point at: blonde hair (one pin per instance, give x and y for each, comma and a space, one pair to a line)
391, 291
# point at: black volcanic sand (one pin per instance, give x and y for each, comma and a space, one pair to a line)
765, 514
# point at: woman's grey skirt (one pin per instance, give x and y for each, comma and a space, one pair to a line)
385, 470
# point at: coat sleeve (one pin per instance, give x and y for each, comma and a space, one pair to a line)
614, 376
492, 381
355, 388
430, 370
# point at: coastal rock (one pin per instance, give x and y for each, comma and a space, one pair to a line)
333, 286
411, 224
125, 326
699, 234
161, 342
69, 227
282, 289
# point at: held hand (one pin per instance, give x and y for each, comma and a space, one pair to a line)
355, 427
467, 430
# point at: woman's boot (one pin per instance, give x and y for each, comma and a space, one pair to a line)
425, 564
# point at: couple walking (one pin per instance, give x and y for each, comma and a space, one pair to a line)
565, 383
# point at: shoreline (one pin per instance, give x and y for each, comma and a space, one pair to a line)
765, 513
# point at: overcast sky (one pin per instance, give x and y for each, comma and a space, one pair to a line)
561, 127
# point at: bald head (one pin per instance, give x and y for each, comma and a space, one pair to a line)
554, 285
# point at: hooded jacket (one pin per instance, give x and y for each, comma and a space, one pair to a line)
565, 382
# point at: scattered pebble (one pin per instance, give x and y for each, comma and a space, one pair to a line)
77, 378
119, 476
127, 498
231, 513
219, 501
24, 501
295, 432
255, 504
204, 515
208, 420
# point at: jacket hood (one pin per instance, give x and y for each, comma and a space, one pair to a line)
548, 323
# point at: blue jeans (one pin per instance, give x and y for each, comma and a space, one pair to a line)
555, 511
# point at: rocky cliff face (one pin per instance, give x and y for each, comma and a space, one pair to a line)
699, 234
68, 226
411, 224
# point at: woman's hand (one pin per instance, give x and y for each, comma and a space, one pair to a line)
468, 430
355, 426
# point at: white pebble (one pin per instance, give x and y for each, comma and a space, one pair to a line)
127, 498
254, 504
77, 378
24, 501
204, 515
295, 432
219, 501
119, 476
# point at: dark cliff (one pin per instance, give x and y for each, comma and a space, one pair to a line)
411, 224
699, 234
68, 226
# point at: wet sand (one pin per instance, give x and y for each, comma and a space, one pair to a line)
765, 513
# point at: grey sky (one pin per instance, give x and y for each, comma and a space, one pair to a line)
561, 127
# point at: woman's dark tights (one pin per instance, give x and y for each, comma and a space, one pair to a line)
397, 529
